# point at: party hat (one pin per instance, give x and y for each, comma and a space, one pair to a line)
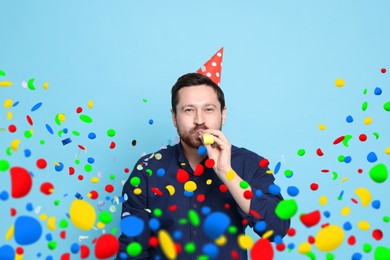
212, 68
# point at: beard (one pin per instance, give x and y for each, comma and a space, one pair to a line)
191, 137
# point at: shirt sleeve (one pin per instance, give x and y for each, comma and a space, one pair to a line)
135, 205
263, 203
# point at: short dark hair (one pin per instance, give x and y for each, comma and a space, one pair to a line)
195, 79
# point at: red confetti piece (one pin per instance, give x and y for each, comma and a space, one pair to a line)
199, 170
264, 163
377, 234
80, 177
200, 197
47, 188
226, 206
311, 219
280, 247
21, 182
262, 250
182, 176
79, 110
81, 147
360, 170
354, 200
255, 214
29, 120
248, 194
71, 171
112, 145
209, 163
311, 240
93, 194
41, 163
63, 234
363, 137
338, 140
319, 152
109, 188
172, 208
245, 222
13, 212
65, 256
126, 170
19, 250
383, 70
291, 232
351, 240
107, 245
223, 188
178, 248
314, 186
156, 191
12, 128
153, 241
325, 170
84, 251
234, 254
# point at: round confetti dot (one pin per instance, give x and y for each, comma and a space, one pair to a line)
21, 182
4, 195
41, 163
154, 224
264, 163
364, 106
134, 249
216, 224
288, 173
210, 250
314, 186
382, 252
209, 163
4, 165
347, 159
377, 234
367, 120
301, 152
47, 188
190, 186
345, 211
82, 214
202, 150
260, 226
349, 119
377, 91
27, 230
245, 242
379, 173
151, 121
383, 70
105, 217
263, 248
286, 209
274, 189
12, 128
347, 226
363, 137
134, 142
109, 188
304, 248
111, 132
91, 136
311, 219
371, 157
387, 150
386, 106
135, 181
329, 238
321, 127
248, 194
367, 248
132, 226
339, 83
363, 225
160, 172
106, 246
376, 204
182, 176
292, 191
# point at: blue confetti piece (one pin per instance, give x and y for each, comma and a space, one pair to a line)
27, 230
202, 150
349, 119
216, 224
274, 189
377, 91
49, 129
292, 191
36, 106
210, 250
371, 157
347, 226
376, 204
66, 141
7, 252
160, 172
277, 168
91, 136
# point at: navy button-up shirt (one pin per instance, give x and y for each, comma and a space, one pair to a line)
159, 193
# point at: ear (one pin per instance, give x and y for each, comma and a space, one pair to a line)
174, 120
223, 115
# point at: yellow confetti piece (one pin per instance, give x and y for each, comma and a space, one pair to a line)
170, 189
51, 223
8, 103
245, 241
364, 225
9, 115
367, 120
323, 200
61, 117
304, 248
190, 186
90, 104
137, 191
329, 238
345, 211
57, 164
209, 181
267, 234
100, 225
82, 214
270, 171
5, 83
339, 83
43, 217
94, 179
10, 232
45, 85
344, 179
221, 241
15, 145
387, 150
158, 156
364, 196
167, 245
321, 126
230, 175
18, 257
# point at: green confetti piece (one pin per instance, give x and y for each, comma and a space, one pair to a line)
149, 171
194, 218
56, 202
105, 217
329, 256
301, 152
63, 223
30, 84
386, 106
190, 247
85, 119
311, 255
2, 73
364, 106
75, 133
346, 140
27, 134
288, 173
365, 91
367, 248
52, 245
157, 212
382, 253
341, 158
232, 230
88, 168
183, 221
244, 185
134, 249
42, 142
111, 132
135, 181
4, 165
379, 173
112, 177
286, 209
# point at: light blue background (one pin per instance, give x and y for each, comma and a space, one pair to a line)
280, 63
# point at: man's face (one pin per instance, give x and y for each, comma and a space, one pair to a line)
198, 109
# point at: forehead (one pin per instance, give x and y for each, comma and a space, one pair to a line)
197, 95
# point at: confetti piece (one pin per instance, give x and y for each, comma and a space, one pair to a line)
27, 230
311, 219
262, 249
134, 249
379, 173
167, 244
85, 119
216, 224
21, 182
208, 139
363, 225
106, 246
367, 120
132, 226
90, 104
82, 214
382, 252
30, 84
321, 127
386, 106
36, 106
47, 188
339, 83
286, 209
364, 196
329, 238
304, 248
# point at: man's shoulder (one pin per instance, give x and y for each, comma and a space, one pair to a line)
244, 153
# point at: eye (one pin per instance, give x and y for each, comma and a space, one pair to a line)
187, 110
209, 109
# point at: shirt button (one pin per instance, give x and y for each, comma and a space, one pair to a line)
195, 206
194, 232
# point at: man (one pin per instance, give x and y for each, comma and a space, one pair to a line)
194, 203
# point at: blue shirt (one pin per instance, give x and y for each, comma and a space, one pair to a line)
161, 193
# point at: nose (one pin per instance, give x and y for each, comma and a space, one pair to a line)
199, 118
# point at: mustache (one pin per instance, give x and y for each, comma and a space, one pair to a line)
198, 129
